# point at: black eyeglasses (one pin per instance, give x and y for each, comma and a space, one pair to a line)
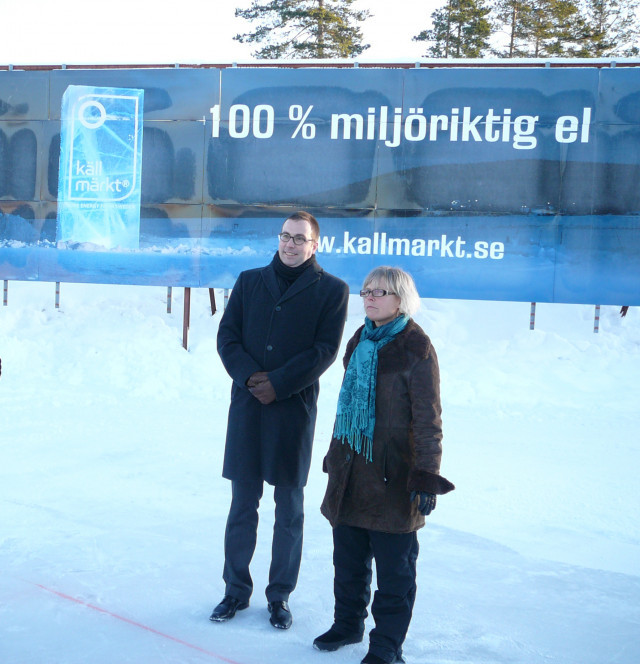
297, 239
376, 292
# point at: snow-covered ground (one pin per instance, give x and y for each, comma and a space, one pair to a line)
112, 507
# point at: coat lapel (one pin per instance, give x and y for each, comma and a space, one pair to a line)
271, 282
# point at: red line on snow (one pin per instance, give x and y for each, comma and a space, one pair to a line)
135, 624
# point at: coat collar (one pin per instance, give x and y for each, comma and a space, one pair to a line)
306, 279
413, 338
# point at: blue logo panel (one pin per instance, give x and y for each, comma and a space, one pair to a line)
100, 167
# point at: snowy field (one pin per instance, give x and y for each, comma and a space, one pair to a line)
112, 507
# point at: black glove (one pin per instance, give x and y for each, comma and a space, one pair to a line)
427, 501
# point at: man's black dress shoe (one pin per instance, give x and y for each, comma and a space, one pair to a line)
227, 609
280, 614
332, 640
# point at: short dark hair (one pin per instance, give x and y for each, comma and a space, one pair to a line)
301, 215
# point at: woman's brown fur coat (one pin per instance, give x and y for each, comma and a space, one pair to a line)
407, 442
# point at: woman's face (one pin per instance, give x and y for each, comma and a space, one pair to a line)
381, 310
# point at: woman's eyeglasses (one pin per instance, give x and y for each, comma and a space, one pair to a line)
376, 292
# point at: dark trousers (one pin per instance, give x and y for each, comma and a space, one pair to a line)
392, 608
241, 534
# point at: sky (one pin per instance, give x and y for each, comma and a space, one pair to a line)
166, 32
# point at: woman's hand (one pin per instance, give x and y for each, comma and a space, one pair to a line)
427, 501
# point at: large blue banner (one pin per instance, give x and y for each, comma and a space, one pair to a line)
513, 183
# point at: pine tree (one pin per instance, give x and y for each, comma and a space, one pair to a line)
516, 17
304, 28
568, 30
461, 29
542, 28
612, 28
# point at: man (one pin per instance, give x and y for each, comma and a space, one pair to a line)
280, 331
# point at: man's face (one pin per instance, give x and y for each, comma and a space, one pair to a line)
292, 254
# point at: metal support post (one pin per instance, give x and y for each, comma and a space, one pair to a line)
169, 293
226, 298
596, 320
212, 299
57, 295
532, 316
5, 293
185, 320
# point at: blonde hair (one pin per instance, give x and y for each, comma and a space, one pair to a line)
399, 282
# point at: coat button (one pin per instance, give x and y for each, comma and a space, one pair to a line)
278, 308
269, 347
348, 457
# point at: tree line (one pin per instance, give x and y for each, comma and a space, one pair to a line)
458, 29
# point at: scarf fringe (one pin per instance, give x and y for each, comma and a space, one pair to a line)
350, 427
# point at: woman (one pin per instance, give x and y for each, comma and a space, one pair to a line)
383, 465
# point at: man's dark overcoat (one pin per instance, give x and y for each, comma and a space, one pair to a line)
294, 337
407, 442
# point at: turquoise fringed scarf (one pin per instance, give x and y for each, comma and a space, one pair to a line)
356, 416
